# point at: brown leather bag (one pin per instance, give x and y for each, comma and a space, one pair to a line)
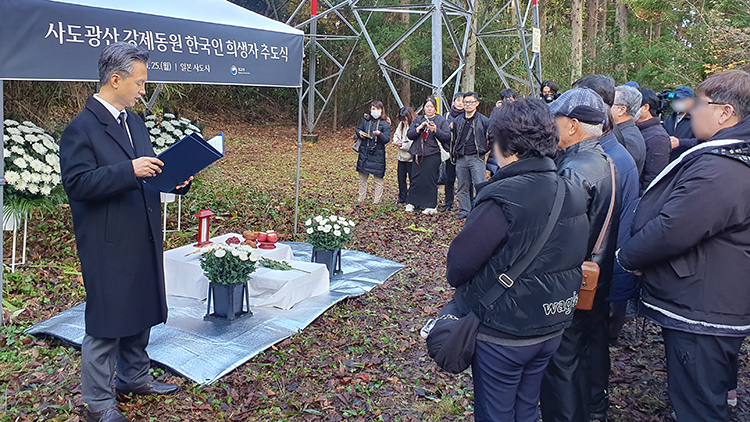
590, 268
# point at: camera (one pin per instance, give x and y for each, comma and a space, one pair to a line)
665, 96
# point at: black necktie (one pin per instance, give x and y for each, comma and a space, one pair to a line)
124, 126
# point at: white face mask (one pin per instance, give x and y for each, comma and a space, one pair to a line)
637, 115
375, 113
678, 106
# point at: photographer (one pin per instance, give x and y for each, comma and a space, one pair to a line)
374, 133
426, 131
549, 91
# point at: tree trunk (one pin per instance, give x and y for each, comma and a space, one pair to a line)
470, 70
576, 15
404, 63
657, 30
602, 15
592, 25
621, 21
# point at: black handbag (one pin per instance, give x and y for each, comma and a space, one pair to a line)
442, 175
452, 336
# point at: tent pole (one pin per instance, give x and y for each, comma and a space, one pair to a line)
299, 159
2, 211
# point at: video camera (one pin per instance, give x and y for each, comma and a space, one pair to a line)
665, 97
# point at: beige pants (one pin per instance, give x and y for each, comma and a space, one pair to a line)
379, 183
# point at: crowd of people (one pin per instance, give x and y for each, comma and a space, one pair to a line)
661, 209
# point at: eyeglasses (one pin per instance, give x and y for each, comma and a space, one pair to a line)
470, 102
700, 103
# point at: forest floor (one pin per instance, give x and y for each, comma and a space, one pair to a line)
362, 360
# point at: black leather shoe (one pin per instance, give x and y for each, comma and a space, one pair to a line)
445, 208
109, 415
153, 388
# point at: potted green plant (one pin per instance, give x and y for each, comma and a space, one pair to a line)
328, 235
228, 269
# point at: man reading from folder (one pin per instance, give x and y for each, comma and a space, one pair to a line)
105, 155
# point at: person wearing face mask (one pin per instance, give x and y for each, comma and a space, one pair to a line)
677, 124
549, 91
374, 133
426, 131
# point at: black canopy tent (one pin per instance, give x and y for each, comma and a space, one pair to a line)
190, 41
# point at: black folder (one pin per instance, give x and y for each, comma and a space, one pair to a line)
186, 158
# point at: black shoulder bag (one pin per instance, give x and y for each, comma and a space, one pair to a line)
452, 337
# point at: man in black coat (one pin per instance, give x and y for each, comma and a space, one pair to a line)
691, 242
624, 110
658, 145
105, 155
580, 112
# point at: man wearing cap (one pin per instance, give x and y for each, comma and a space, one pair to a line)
677, 124
580, 115
623, 286
691, 241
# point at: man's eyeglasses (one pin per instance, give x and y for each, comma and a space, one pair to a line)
470, 102
699, 103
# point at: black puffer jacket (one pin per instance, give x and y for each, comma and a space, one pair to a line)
691, 239
543, 298
585, 164
658, 147
371, 158
430, 146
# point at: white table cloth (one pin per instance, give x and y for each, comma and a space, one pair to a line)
183, 275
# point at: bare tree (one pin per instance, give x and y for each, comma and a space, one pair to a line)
576, 15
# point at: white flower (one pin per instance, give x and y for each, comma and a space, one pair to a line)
168, 116
150, 123
38, 147
48, 143
243, 256
254, 255
36, 165
18, 139
326, 229
20, 162
193, 127
321, 228
8, 122
310, 230
32, 188
336, 226
178, 133
13, 131
324, 221
319, 218
25, 129
55, 179
154, 131
329, 227
38, 130
220, 253
185, 121
46, 178
21, 184
6, 138
160, 142
188, 132
332, 218
47, 169
344, 223
35, 178
336, 233
167, 126
30, 124
351, 223
174, 122
6, 153
308, 222
52, 159
151, 117
347, 230
45, 190
56, 167
12, 177
26, 176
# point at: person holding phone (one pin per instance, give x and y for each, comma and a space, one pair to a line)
405, 116
426, 131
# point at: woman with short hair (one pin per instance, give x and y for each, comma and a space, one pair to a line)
405, 116
522, 329
426, 131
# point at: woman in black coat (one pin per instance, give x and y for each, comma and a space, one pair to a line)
374, 133
426, 131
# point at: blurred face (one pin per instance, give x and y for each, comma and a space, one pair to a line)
565, 130
429, 109
708, 117
458, 103
470, 104
130, 89
547, 91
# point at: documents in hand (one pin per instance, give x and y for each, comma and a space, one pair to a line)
186, 158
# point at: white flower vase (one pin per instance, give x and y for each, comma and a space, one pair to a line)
12, 224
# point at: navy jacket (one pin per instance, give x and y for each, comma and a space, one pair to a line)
634, 143
683, 131
691, 239
624, 283
117, 223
